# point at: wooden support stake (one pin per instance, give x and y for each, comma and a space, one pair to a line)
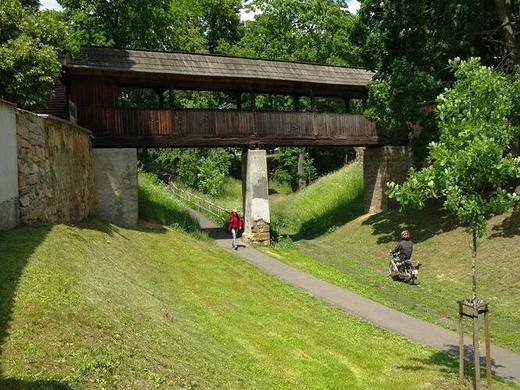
476, 351
461, 342
489, 374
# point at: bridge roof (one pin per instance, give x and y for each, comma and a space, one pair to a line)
202, 71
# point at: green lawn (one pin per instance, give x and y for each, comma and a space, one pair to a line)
99, 306
325, 205
355, 256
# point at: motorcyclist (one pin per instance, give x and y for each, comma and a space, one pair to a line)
404, 248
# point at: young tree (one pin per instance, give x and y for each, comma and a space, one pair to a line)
29, 44
470, 167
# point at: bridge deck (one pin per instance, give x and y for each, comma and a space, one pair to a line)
119, 127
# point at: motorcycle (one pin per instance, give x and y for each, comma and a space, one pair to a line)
403, 270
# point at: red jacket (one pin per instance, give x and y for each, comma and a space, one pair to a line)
234, 222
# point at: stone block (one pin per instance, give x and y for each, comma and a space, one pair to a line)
115, 176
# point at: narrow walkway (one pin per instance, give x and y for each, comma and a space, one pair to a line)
505, 363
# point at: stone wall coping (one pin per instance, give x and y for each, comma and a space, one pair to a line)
64, 121
50, 117
7, 103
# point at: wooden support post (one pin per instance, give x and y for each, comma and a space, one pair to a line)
160, 95
171, 98
296, 103
461, 342
313, 103
476, 351
489, 373
346, 100
253, 101
476, 307
238, 96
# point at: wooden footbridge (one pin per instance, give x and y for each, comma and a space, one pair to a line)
96, 86
93, 80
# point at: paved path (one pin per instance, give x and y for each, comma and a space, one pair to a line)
505, 362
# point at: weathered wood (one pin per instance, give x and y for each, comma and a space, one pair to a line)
154, 128
149, 68
489, 372
476, 353
461, 342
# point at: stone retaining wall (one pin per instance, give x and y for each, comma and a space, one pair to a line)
382, 165
55, 177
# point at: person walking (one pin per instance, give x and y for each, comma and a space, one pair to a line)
234, 225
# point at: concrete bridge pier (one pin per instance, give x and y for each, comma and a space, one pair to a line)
255, 193
115, 176
382, 165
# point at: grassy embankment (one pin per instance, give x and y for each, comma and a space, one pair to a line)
100, 306
231, 194
355, 255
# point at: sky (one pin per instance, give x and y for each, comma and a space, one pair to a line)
353, 6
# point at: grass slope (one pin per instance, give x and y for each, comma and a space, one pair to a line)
98, 306
323, 206
355, 256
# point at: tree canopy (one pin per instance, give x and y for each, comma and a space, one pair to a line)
30, 41
409, 44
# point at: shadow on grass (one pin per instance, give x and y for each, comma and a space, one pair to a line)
156, 209
423, 224
14, 384
510, 227
448, 360
325, 223
16, 247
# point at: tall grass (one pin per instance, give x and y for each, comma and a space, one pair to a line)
326, 204
156, 204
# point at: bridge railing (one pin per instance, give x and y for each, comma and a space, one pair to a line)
213, 211
168, 127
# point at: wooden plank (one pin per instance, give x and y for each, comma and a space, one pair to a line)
215, 127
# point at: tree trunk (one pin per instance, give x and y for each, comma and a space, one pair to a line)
302, 183
474, 267
512, 44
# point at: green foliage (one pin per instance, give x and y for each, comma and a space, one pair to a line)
470, 167
120, 23
409, 44
206, 25
212, 172
393, 100
285, 166
315, 31
29, 44
202, 169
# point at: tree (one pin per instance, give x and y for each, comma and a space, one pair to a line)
295, 30
120, 23
30, 41
208, 24
409, 44
508, 12
470, 167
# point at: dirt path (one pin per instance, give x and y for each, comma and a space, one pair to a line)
505, 363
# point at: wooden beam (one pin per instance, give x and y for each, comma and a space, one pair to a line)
168, 142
